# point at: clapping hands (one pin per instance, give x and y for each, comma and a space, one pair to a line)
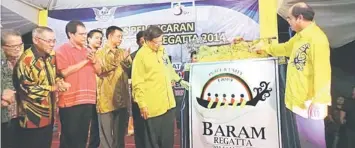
127, 53
92, 57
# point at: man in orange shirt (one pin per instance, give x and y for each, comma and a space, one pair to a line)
79, 67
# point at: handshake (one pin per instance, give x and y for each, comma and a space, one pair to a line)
61, 86
8, 97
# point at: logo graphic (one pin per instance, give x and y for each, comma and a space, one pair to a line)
300, 59
104, 14
179, 8
238, 94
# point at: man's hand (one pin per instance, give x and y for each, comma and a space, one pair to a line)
144, 113
185, 84
342, 117
237, 40
4, 103
317, 111
342, 121
330, 118
257, 47
62, 86
8, 95
66, 86
92, 57
126, 53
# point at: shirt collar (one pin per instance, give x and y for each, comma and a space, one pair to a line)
36, 53
308, 30
72, 46
107, 48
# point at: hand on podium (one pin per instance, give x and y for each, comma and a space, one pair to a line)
237, 40
258, 48
185, 84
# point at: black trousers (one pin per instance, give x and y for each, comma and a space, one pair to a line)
94, 141
178, 101
35, 138
75, 123
350, 135
330, 138
9, 131
159, 131
139, 126
290, 138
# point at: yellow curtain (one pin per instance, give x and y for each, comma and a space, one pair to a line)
43, 18
268, 18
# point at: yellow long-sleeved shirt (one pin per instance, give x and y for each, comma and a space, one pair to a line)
308, 72
151, 81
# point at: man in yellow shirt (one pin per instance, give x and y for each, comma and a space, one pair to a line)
138, 121
151, 81
308, 78
112, 90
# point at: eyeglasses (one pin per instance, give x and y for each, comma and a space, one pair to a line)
48, 41
14, 46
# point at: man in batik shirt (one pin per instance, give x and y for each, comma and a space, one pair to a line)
113, 90
12, 47
36, 82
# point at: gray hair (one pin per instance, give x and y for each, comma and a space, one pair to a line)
39, 31
6, 33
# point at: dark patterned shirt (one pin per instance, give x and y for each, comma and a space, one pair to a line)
6, 83
34, 77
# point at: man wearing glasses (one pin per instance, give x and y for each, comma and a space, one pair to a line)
151, 82
78, 66
113, 90
12, 48
307, 92
36, 82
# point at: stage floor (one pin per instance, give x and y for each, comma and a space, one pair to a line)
129, 139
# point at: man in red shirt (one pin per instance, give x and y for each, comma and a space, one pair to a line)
78, 67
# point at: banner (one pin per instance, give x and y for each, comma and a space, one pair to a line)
186, 24
235, 104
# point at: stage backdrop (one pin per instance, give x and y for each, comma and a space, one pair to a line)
185, 23
235, 105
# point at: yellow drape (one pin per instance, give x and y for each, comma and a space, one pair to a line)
43, 18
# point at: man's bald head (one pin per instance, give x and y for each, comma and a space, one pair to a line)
304, 10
